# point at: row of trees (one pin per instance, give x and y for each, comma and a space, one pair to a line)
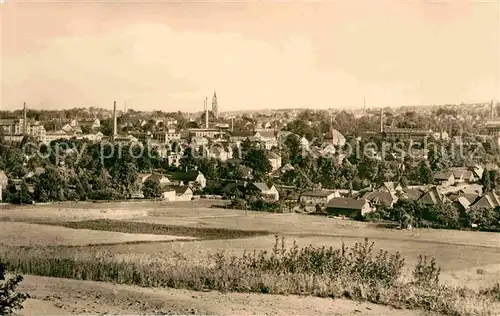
446, 215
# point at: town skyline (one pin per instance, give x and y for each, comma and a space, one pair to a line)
316, 55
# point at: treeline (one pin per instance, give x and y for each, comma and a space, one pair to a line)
445, 215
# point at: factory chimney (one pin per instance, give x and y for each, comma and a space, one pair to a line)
114, 119
25, 119
492, 111
206, 112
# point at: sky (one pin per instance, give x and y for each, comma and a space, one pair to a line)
256, 54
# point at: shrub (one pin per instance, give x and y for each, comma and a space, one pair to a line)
426, 273
9, 299
356, 273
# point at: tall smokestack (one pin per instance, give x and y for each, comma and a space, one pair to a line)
381, 120
25, 119
232, 124
114, 119
206, 112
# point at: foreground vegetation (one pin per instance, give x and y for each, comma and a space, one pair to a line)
10, 300
159, 229
356, 273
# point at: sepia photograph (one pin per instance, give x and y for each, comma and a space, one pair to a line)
250, 157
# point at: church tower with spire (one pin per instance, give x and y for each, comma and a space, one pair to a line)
215, 106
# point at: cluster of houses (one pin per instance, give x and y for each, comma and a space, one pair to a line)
15, 129
335, 203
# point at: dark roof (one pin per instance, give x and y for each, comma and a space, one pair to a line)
433, 197
190, 175
317, 193
241, 133
179, 190
411, 131
245, 171
489, 200
262, 186
413, 194
471, 197
443, 175
155, 177
266, 134
346, 203
377, 197
273, 155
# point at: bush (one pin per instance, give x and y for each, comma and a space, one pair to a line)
426, 273
9, 299
356, 273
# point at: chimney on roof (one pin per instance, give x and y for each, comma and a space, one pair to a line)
25, 119
114, 119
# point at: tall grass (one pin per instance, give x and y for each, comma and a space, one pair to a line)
357, 273
158, 229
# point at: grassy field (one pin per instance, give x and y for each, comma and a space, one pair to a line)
24, 234
158, 229
466, 258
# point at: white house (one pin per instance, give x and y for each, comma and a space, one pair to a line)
318, 196
269, 192
274, 160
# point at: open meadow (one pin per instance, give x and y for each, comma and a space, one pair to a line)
154, 234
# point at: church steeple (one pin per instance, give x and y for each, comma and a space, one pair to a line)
215, 106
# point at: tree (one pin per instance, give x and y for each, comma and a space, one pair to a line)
425, 173
124, 177
188, 160
257, 160
107, 126
486, 181
9, 299
293, 149
152, 190
50, 186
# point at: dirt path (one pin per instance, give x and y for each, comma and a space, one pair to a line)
53, 296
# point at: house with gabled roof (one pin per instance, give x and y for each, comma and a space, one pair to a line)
470, 197
461, 204
267, 191
391, 187
274, 160
318, 196
161, 179
444, 178
177, 193
190, 178
349, 207
489, 200
267, 137
463, 175
433, 197
381, 198
239, 136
